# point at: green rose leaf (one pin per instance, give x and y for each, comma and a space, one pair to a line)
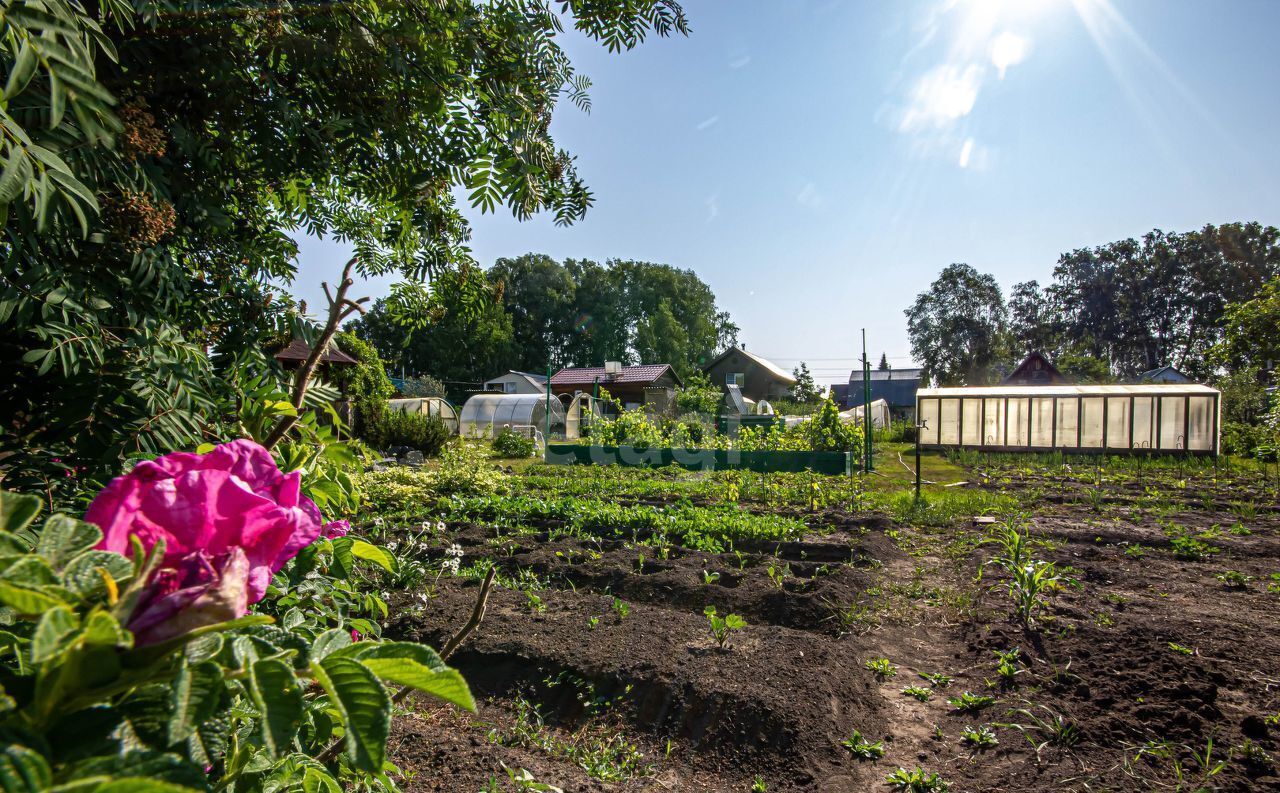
363, 705
197, 691
54, 632
17, 511
22, 770
276, 692
420, 667
63, 538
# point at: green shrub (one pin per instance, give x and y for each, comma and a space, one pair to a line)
391, 428
423, 386
510, 443
366, 384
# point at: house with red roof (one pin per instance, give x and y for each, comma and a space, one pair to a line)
633, 386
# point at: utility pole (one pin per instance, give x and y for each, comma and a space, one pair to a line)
546, 435
866, 406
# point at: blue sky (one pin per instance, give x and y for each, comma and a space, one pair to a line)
818, 163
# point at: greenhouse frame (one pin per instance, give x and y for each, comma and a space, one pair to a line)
432, 406
486, 414
1098, 419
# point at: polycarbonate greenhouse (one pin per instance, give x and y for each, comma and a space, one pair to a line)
1111, 419
432, 406
485, 415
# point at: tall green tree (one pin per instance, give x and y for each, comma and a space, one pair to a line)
158, 156
805, 390
459, 342
1144, 303
959, 328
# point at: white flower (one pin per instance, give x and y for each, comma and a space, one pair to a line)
377, 521
440, 527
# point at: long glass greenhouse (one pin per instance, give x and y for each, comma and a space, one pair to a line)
1112, 419
485, 415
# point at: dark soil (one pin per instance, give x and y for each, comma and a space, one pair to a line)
1147, 651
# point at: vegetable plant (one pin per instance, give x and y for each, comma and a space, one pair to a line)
722, 627
882, 668
916, 781
969, 702
863, 749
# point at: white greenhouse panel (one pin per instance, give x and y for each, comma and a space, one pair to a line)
1168, 418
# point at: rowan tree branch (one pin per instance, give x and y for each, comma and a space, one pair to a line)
340, 307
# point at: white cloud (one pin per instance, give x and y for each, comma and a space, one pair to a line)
809, 197
943, 95
738, 63
1008, 49
966, 151
707, 123
713, 207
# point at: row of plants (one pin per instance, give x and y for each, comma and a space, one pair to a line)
822, 432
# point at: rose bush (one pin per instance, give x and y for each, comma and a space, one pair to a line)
133, 633
227, 521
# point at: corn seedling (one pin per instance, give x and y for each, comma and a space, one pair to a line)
1181, 649
916, 781
758, 785
981, 737
1053, 729
721, 627
861, 748
919, 692
969, 702
882, 668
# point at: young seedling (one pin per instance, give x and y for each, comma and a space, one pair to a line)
969, 702
534, 603
640, 563
758, 785
709, 578
1007, 665
593, 623
916, 781
981, 737
1180, 649
861, 748
721, 627
620, 608
778, 574
919, 692
1234, 579
937, 679
882, 668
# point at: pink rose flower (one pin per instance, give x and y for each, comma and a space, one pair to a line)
229, 520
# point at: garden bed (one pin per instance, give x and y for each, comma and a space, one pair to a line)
1149, 662
702, 459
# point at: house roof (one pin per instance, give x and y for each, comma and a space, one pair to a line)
587, 375
773, 369
1036, 368
299, 350
538, 380
1162, 371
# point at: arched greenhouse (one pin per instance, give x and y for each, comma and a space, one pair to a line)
485, 415
432, 406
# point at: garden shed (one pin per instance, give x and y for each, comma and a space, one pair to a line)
484, 415
432, 406
1113, 419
